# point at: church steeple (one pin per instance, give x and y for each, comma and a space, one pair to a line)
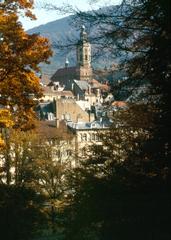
66, 63
83, 34
83, 50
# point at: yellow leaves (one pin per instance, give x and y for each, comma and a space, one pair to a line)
30, 15
19, 47
2, 143
20, 56
15, 6
5, 118
25, 3
26, 119
5, 122
38, 49
19, 137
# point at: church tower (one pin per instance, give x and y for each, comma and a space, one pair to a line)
84, 56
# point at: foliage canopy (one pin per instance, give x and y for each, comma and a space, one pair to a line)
20, 55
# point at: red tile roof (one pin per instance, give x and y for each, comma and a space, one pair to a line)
119, 104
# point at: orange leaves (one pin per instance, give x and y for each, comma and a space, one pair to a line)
14, 6
25, 3
2, 144
19, 48
37, 50
26, 119
5, 122
20, 56
5, 118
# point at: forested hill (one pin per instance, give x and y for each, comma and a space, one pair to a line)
60, 31
57, 31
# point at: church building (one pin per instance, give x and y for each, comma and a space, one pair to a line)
83, 69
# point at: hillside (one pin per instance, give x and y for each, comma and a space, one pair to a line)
60, 31
57, 31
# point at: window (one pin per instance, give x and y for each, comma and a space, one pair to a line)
84, 137
93, 137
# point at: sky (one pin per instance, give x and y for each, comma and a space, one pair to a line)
44, 16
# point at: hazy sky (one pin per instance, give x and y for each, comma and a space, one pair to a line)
44, 16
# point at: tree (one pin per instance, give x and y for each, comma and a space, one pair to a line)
35, 161
119, 191
5, 122
53, 160
138, 34
21, 212
20, 55
51, 170
17, 157
124, 189
139, 31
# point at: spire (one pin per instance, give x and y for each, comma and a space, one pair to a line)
83, 34
84, 55
66, 62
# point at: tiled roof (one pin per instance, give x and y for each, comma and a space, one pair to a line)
64, 71
94, 83
47, 129
49, 91
119, 104
83, 85
105, 87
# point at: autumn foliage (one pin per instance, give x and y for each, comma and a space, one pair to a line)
20, 55
5, 121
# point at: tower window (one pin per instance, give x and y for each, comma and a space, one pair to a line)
86, 58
